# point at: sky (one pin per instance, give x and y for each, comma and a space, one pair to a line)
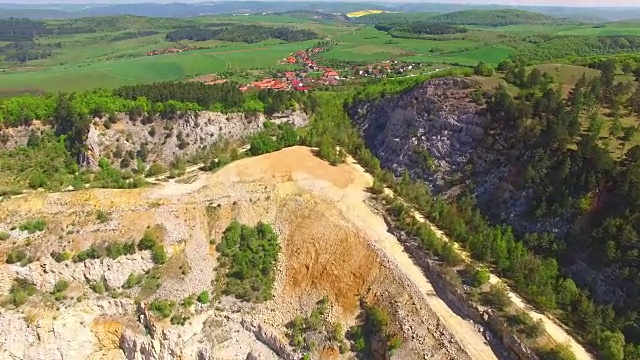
607, 3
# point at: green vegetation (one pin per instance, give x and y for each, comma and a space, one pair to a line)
151, 242
61, 256
242, 33
204, 298
4, 236
376, 327
162, 308
33, 226
20, 292
249, 256
494, 17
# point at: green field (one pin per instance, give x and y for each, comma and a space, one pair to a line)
146, 69
95, 59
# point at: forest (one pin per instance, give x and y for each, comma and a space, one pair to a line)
560, 47
242, 33
417, 28
494, 18
13, 29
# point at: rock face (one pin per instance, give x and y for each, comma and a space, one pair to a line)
436, 133
162, 140
46, 273
431, 131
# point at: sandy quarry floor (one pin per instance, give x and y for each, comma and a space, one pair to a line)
332, 242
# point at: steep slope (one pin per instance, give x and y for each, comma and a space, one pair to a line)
332, 245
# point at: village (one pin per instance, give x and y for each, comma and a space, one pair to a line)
311, 74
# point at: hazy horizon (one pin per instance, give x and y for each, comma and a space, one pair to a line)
571, 3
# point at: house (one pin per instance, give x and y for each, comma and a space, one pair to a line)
302, 88
331, 75
291, 60
290, 75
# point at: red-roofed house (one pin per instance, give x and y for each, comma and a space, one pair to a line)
331, 75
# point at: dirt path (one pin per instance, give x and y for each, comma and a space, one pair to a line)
555, 330
463, 331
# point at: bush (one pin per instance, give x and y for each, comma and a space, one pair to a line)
116, 249
156, 169
99, 287
480, 277
133, 280
15, 256
148, 241
102, 216
33, 226
162, 308
203, 298
497, 297
92, 252
4, 236
179, 319
60, 256
158, 254
188, 302
20, 291
60, 287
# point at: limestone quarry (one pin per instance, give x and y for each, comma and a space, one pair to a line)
333, 245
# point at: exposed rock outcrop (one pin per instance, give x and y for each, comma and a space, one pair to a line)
162, 140
46, 273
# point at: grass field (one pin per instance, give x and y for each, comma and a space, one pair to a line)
95, 59
109, 74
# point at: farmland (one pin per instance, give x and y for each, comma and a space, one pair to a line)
113, 54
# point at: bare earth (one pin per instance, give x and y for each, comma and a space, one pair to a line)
332, 244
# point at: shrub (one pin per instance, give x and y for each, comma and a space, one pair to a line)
99, 287
60, 256
497, 297
250, 254
116, 249
203, 298
20, 291
179, 319
188, 302
92, 252
158, 254
162, 308
156, 169
133, 280
148, 241
60, 286
102, 216
33, 226
15, 256
480, 277
4, 236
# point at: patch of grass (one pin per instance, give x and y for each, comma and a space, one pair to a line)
204, 297
133, 280
33, 226
20, 292
15, 256
60, 256
4, 236
99, 287
162, 308
102, 216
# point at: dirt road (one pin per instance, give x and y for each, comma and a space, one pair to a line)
464, 331
553, 329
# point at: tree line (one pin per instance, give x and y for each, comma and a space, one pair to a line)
418, 28
242, 33
560, 47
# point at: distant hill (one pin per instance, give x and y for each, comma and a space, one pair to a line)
182, 10
494, 18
